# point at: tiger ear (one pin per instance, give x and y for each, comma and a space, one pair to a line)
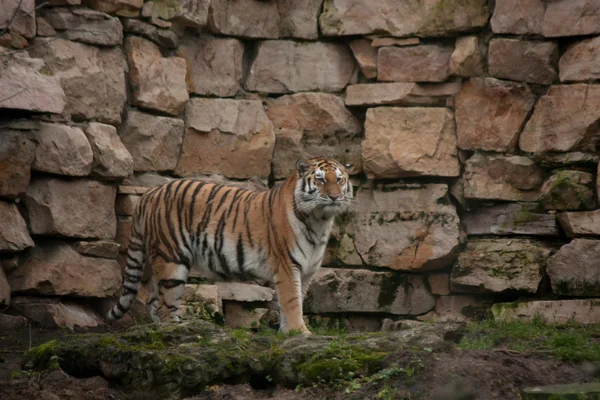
302, 166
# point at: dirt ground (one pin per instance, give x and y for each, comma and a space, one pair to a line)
457, 374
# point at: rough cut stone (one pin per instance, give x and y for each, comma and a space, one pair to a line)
92, 78
511, 219
564, 119
111, 158
574, 271
237, 291
439, 284
158, 83
569, 190
126, 204
13, 40
182, 12
490, 114
23, 22
391, 41
123, 233
122, 8
553, 311
423, 63
86, 26
238, 316
498, 265
214, 65
402, 142
400, 93
405, 18
78, 208
206, 294
366, 57
62, 149
467, 58
10, 322
233, 138
342, 290
283, 66
162, 37
461, 306
581, 61
581, 223
312, 124
99, 248
43, 28
51, 313
55, 269
17, 153
513, 178
523, 60
153, 142
13, 229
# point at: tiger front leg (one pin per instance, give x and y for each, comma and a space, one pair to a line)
289, 296
171, 278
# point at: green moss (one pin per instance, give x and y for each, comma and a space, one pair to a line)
42, 356
389, 287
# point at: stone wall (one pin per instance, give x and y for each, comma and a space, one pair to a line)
472, 126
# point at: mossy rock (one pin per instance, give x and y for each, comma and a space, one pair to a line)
575, 391
569, 190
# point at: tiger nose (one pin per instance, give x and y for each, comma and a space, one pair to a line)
334, 196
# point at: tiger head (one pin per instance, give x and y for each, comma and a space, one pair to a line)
323, 186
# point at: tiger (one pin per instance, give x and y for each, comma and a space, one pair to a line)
277, 235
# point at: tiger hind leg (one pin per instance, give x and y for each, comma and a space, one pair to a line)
170, 280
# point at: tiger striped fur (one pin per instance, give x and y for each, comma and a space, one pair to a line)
277, 235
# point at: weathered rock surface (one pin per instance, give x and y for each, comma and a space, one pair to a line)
92, 78
581, 223
406, 18
423, 63
523, 60
366, 57
237, 291
238, 316
78, 208
4, 292
490, 114
402, 142
342, 290
569, 190
17, 153
24, 21
513, 178
511, 219
122, 8
459, 306
564, 119
439, 284
283, 66
467, 58
498, 265
123, 233
126, 204
157, 82
13, 229
561, 160
52, 313
85, 25
98, 248
193, 13
400, 93
56, 269
392, 41
214, 65
552, 311
153, 142
10, 322
313, 124
573, 270
43, 27
162, 37
201, 301
63, 150
233, 138
111, 158
581, 61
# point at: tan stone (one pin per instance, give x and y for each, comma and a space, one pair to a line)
313, 124
283, 66
564, 119
439, 284
78, 208
214, 65
366, 57
233, 138
98, 248
569, 190
402, 142
244, 292
400, 93
23, 11
200, 301
158, 82
111, 158
573, 270
513, 178
423, 63
126, 204
346, 252
123, 233
510, 219
582, 223
147, 180
52, 313
490, 114
13, 40
86, 26
44, 28
192, 13
239, 316
62, 149
523, 60
581, 61
122, 8
391, 41
13, 229
162, 37
17, 153
519, 17
552, 311
467, 59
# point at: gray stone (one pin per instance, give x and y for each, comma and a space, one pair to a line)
569, 190
126, 204
23, 22
240, 316
245, 292
551, 311
192, 13
13, 229
523, 60
511, 219
581, 61
122, 8
111, 158
53, 313
85, 25
17, 153
574, 271
63, 150
423, 63
162, 37
581, 223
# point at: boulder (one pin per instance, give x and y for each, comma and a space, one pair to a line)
561, 160
122, 8
573, 270
13, 229
55, 313
63, 150
162, 37
20, 15
490, 114
17, 153
55, 269
551, 311
245, 292
422, 63
401, 142
214, 65
85, 25
512, 178
157, 82
283, 66
230, 137
523, 60
98, 248
93, 78
111, 158
582, 223
467, 58
581, 61
342, 290
313, 124
366, 57
154, 142
569, 190
564, 119
500, 265
406, 18
510, 219
79, 208
400, 93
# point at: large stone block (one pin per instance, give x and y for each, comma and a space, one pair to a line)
581, 223
404, 18
402, 142
13, 229
551, 311
23, 22
283, 66
192, 13
17, 153
581, 61
245, 292
233, 138
85, 25
569, 190
111, 158
400, 93
53, 313
343, 290
313, 124
122, 8
523, 60
78, 208
511, 219
93, 78
499, 265
423, 63
467, 57
490, 114
574, 271
63, 150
